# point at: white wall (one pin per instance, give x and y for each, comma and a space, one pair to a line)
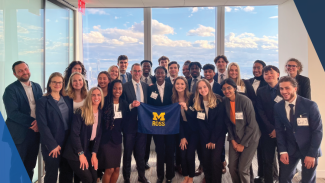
295, 42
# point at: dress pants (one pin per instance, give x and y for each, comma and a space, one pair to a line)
177, 152
147, 155
288, 171
269, 147
240, 163
188, 155
86, 176
28, 151
212, 162
135, 143
165, 147
260, 171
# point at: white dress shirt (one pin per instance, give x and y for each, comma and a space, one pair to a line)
30, 97
149, 81
172, 79
256, 84
161, 90
135, 91
211, 84
287, 108
206, 103
225, 76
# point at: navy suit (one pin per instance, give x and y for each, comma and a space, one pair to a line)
216, 77
19, 121
51, 127
168, 80
190, 82
216, 88
298, 141
303, 86
128, 77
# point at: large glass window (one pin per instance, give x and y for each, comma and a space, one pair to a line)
59, 38
108, 33
251, 33
183, 34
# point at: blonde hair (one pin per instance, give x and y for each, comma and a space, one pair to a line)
239, 81
71, 91
299, 64
198, 98
109, 72
87, 113
187, 94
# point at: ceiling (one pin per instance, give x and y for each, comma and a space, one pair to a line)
172, 3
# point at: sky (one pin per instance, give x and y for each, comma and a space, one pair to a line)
181, 34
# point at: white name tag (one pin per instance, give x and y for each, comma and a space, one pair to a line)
154, 95
239, 115
118, 114
278, 99
201, 115
302, 122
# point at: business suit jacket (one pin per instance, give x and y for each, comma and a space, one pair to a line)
115, 135
303, 86
216, 77
246, 131
153, 79
80, 137
168, 80
129, 76
252, 95
18, 110
189, 81
167, 100
308, 138
131, 126
191, 125
265, 108
217, 88
50, 121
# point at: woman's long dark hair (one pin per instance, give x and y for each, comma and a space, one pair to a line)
67, 72
109, 105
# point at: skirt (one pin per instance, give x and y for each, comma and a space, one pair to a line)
109, 156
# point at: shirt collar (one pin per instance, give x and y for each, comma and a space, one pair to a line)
293, 102
275, 87
224, 73
212, 83
162, 86
134, 82
122, 74
199, 77
30, 84
171, 78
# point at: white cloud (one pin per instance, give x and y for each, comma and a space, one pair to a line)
194, 9
190, 15
248, 8
238, 8
117, 17
202, 31
160, 28
249, 40
93, 37
274, 17
205, 44
210, 8
97, 11
128, 39
228, 9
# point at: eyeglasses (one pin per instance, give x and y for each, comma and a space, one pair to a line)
228, 88
56, 83
293, 66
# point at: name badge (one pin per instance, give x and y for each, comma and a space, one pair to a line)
278, 99
154, 95
117, 115
239, 115
302, 122
201, 115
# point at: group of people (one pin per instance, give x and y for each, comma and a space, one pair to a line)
81, 130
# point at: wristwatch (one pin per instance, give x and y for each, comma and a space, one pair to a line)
80, 153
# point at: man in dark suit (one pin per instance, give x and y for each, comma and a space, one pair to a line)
146, 72
123, 62
173, 69
20, 99
299, 132
134, 92
267, 97
195, 69
209, 74
160, 95
221, 62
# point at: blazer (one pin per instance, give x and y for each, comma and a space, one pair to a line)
167, 100
303, 86
246, 130
191, 125
265, 109
289, 136
217, 88
189, 83
252, 94
213, 126
50, 121
153, 79
128, 75
168, 80
131, 125
18, 110
115, 135
80, 137
216, 77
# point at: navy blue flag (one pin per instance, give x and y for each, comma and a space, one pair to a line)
159, 120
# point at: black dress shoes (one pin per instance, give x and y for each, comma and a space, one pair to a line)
159, 181
143, 180
258, 179
168, 181
126, 180
199, 171
146, 166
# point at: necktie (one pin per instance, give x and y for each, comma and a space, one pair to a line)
123, 78
138, 93
221, 78
194, 85
291, 113
146, 80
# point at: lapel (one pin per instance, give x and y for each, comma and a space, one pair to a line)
69, 103
216, 78
166, 92
268, 96
22, 91
34, 91
131, 90
283, 114
144, 90
189, 84
227, 106
99, 120
298, 109
155, 89
55, 106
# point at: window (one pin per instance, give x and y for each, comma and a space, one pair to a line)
108, 33
251, 33
183, 34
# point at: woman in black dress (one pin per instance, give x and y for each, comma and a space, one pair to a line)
110, 149
82, 146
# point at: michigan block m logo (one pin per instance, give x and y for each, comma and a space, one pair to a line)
158, 120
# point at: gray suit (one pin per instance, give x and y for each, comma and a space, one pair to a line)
247, 133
